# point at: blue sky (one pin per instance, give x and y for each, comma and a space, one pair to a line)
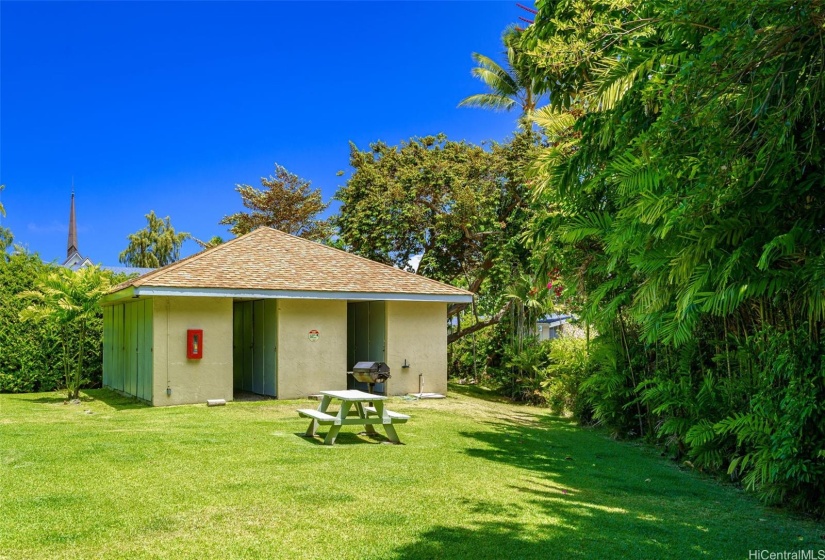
166, 106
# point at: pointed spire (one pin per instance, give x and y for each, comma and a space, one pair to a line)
71, 246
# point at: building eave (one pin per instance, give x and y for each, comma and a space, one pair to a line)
118, 296
148, 291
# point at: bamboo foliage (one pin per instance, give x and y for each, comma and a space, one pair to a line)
680, 197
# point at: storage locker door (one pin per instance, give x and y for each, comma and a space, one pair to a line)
237, 344
377, 331
259, 324
270, 341
248, 320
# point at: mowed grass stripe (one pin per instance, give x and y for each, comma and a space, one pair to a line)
477, 478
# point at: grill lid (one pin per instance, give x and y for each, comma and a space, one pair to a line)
371, 372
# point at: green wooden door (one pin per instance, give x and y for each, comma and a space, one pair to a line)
107, 345
128, 348
258, 328
377, 331
358, 336
270, 341
118, 365
237, 344
255, 338
145, 350
366, 332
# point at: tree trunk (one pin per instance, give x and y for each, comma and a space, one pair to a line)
494, 320
78, 375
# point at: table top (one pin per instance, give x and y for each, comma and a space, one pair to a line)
353, 395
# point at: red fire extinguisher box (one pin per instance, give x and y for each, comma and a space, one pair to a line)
194, 344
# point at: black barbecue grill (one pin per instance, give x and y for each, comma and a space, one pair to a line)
371, 373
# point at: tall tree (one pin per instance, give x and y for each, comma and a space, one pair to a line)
511, 86
156, 245
69, 301
6, 237
286, 202
213, 242
460, 208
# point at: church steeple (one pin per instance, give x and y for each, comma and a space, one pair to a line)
71, 246
74, 259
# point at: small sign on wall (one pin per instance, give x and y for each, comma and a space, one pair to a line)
314, 335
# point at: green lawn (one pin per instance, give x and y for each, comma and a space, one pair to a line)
475, 479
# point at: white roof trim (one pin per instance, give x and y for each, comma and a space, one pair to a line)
296, 294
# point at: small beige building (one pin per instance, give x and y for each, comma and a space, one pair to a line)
273, 314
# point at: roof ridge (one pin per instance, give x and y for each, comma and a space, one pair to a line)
395, 268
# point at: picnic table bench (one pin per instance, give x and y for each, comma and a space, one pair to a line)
396, 417
366, 415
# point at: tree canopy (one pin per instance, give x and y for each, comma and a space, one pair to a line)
286, 202
156, 245
459, 209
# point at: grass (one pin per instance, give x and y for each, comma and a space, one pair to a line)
476, 478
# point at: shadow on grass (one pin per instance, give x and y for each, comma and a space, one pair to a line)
346, 438
489, 540
114, 399
585, 496
51, 399
108, 397
478, 392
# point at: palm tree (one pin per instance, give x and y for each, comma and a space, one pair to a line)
6, 238
214, 242
510, 86
68, 300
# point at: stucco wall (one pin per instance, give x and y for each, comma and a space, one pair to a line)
417, 332
306, 366
192, 381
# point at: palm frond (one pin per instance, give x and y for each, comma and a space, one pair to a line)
488, 101
492, 74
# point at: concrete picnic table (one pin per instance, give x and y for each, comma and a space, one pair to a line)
367, 415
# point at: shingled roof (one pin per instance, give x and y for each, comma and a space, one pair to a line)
271, 263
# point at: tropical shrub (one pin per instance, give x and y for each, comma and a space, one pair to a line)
780, 437
31, 350
68, 302
25, 348
564, 374
679, 201
523, 370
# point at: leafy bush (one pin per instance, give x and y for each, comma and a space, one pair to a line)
29, 350
25, 349
470, 356
564, 375
524, 370
780, 440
